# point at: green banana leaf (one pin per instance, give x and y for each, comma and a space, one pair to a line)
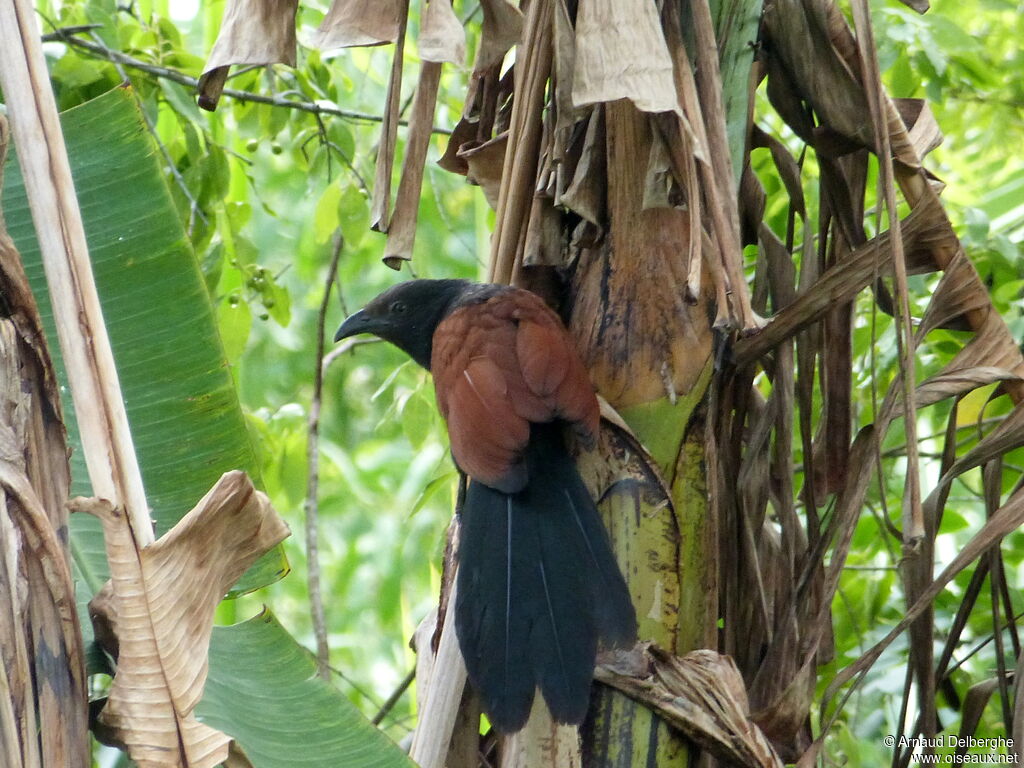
185, 418
286, 717
187, 425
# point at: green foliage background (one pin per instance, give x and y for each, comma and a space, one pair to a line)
264, 191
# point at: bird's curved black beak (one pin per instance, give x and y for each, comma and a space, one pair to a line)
357, 323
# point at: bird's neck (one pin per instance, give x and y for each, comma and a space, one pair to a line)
419, 344
417, 338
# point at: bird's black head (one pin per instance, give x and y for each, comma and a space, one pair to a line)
407, 315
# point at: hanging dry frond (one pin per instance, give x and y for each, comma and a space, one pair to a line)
352, 23
251, 32
402, 227
441, 40
473, 149
620, 53
380, 204
836, 80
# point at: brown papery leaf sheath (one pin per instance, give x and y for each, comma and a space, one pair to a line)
157, 615
252, 32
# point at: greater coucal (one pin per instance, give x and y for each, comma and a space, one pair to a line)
538, 585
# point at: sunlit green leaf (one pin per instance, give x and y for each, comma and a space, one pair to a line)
235, 321
263, 691
325, 221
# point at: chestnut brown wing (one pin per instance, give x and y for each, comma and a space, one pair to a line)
498, 366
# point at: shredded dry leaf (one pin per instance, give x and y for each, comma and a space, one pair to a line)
402, 228
380, 204
157, 609
702, 694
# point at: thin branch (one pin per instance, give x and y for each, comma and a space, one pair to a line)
346, 346
321, 134
976, 649
244, 70
321, 107
323, 650
388, 705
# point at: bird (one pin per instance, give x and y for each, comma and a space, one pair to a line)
538, 585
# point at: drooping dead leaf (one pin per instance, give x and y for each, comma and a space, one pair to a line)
1007, 518
483, 165
990, 355
585, 190
463, 137
923, 131
1007, 435
544, 236
352, 23
252, 32
159, 605
974, 707
501, 29
921, 229
621, 54
818, 74
442, 38
959, 381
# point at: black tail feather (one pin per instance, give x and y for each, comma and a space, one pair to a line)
538, 590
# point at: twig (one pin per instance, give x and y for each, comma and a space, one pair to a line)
346, 346
388, 705
316, 603
321, 134
243, 70
979, 647
317, 108
370, 697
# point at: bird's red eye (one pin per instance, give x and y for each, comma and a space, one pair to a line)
397, 307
